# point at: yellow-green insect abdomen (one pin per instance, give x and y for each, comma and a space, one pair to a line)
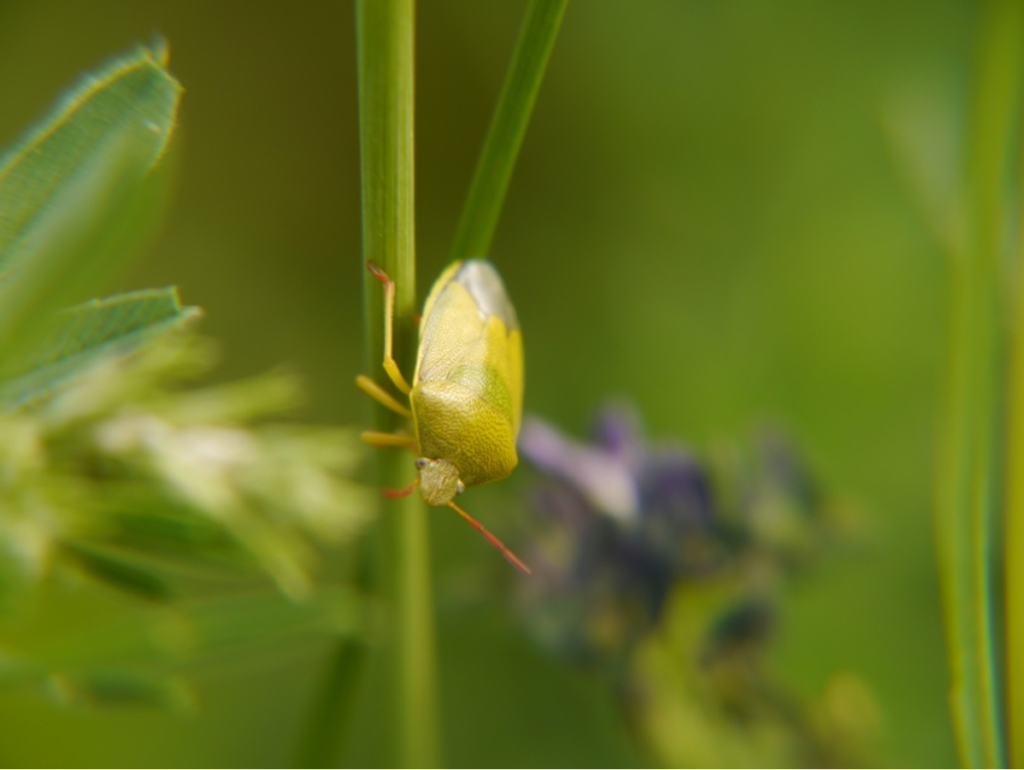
468, 386
454, 424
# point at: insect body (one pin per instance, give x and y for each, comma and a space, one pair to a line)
466, 396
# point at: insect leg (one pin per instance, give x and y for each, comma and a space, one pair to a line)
512, 558
381, 439
395, 494
390, 365
377, 393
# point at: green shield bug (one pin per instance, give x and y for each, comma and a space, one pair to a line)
466, 397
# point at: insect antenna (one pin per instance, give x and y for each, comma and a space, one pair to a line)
514, 560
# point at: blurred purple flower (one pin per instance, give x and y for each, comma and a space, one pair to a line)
621, 525
621, 521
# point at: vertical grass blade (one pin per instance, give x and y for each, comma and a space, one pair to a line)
1013, 542
508, 126
385, 30
403, 667
1014, 528
969, 474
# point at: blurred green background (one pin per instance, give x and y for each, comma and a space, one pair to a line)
706, 218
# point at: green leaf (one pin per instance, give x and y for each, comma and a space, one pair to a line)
76, 338
76, 193
119, 571
123, 688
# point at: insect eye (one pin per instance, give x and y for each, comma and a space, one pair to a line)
459, 487
421, 462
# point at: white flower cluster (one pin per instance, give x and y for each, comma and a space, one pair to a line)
125, 464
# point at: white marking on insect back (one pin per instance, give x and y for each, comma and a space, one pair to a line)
484, 285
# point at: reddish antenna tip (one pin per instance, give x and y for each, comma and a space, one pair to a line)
514, 560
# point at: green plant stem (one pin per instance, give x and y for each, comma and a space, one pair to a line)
327, 726
406, 660
1014, 527
1014, 536
508, 126
964, 497
969, 473
385, 30
1014, 541
386, 54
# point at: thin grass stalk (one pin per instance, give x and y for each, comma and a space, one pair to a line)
508, 127
326, 728
386, 30
1014, 528
952, 504
969, 475
400, 565
1013, 541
